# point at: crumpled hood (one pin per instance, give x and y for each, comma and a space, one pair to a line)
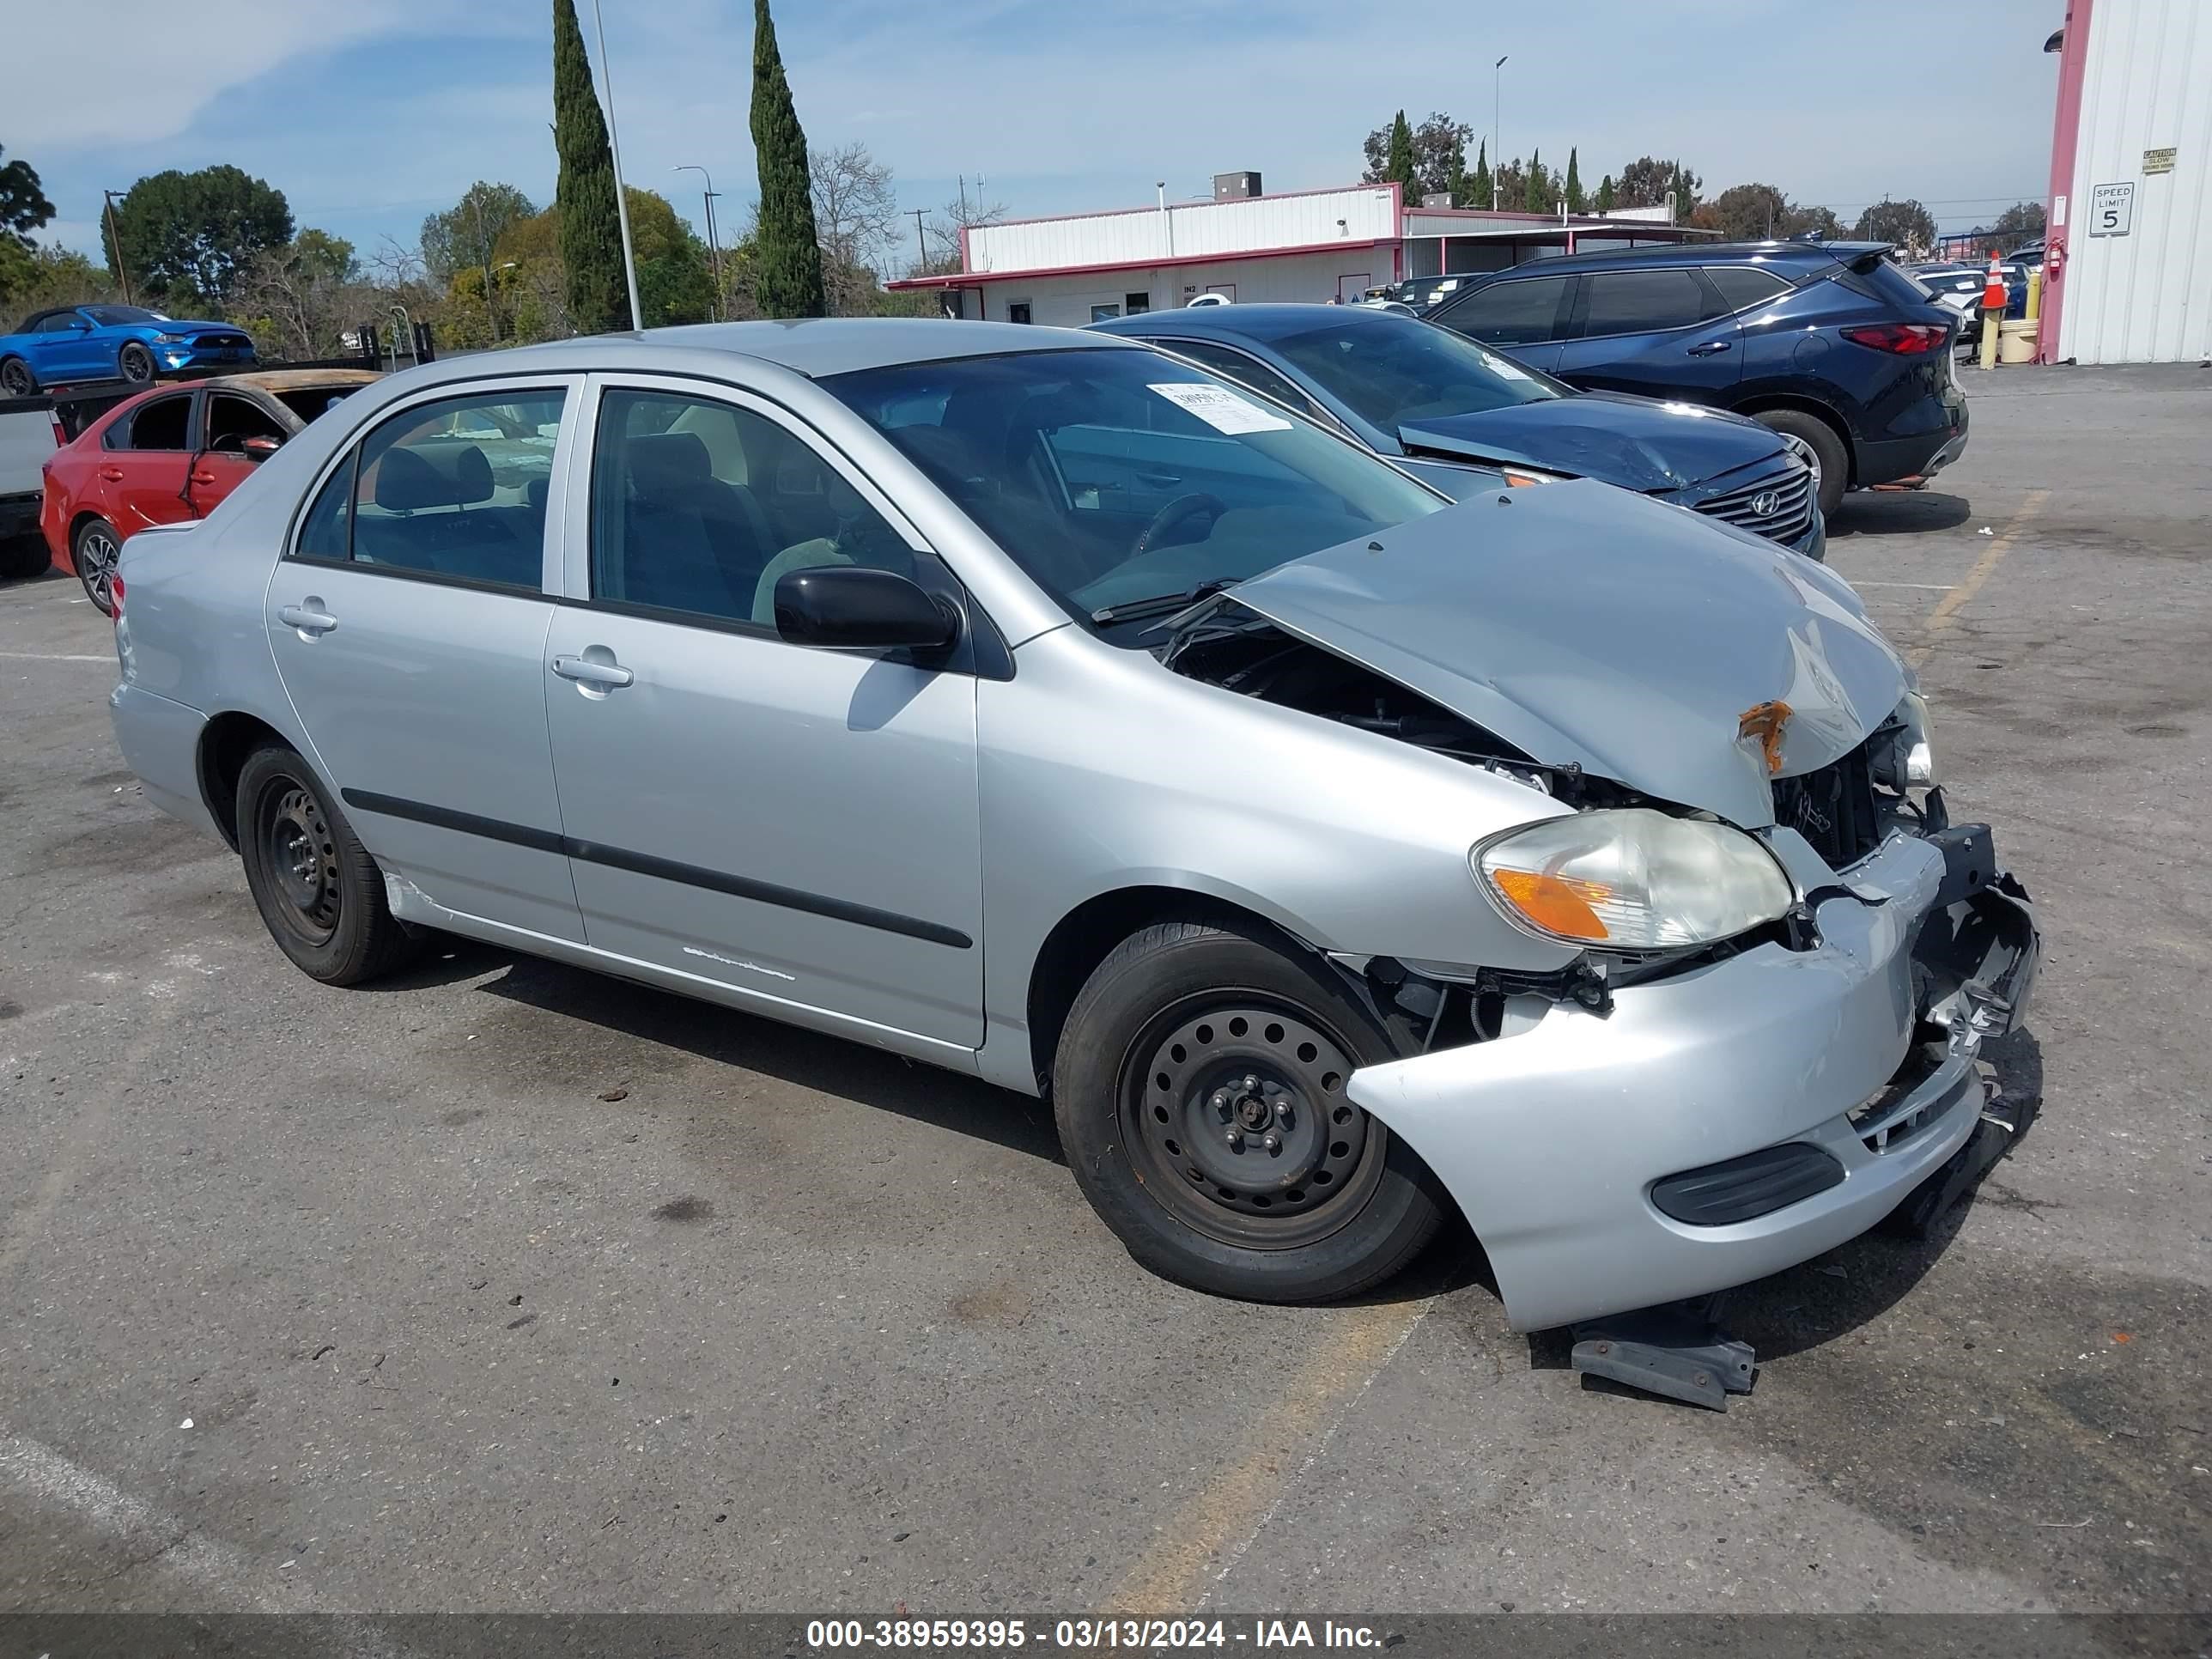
1635, 443
1584, 625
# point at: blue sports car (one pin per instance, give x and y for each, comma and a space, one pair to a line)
102, 343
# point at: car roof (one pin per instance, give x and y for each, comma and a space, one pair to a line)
1688, 253
293, 380
1252, 322
813, 346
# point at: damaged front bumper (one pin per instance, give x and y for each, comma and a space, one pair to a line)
1784, 1100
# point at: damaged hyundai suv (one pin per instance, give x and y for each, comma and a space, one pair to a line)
1030, 703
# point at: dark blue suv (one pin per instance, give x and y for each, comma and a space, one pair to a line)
1829, 342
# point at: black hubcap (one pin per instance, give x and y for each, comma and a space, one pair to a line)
1241, 1121
301, 856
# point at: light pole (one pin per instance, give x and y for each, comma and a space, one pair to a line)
115, 240
1497, 150
714, 248
614, 143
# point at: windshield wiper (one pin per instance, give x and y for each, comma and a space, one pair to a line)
1161, 605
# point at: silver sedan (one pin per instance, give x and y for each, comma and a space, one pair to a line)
1333, 857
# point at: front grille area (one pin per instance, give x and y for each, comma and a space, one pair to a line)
221, 341
1787, 515
1833, 808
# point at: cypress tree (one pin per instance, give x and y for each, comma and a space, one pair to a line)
1480, 187
590, 228
1534, 198
1605, 196
1575, 202
787, 253
1456, 176
1400, 168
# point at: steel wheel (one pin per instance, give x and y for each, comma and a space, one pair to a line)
97, 552
1237, 1121
301, 855
135, 363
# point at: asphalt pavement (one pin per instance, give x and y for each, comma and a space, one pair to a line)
505, 1286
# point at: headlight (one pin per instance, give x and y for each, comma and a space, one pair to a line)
169, 339
1631, 879
1519, 476
1909, 762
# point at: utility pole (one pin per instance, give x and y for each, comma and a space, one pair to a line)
483, 248
614, 145
714, 245
1496, 105
920, 244
115, 240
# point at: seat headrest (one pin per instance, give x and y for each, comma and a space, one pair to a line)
447, 475
663, 458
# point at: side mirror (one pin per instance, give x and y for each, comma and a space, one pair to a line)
260, 449
852, 606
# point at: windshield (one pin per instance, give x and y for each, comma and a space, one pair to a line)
1396, 375
1116, 476
111, 316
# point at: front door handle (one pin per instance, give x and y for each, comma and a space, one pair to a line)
1711, 348
601, 676
206, 478
1159, 480
308, 616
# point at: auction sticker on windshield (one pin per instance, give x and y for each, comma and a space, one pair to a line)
1222, 409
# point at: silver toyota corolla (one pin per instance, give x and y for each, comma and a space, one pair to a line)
1034, 705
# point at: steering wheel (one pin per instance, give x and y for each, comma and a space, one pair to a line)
1173, 514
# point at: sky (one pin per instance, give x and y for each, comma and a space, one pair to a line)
370, 114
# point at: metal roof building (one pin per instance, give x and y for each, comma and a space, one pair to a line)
1309, 245
2129, 221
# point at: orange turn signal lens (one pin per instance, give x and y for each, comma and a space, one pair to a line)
1557, 904
1526, 478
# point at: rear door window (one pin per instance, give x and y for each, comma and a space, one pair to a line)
1645, 301
1519, 312
454, 490
161, 424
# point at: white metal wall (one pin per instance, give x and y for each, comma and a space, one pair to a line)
1065, 301
2145, 297
1361, 215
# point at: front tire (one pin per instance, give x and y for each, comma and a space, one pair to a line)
135, 363
17, 379
319, 892
1198, 1089
1820, 438
93, 551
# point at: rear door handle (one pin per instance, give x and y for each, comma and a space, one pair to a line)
112, 474
1711, 348
309, 617
602, 676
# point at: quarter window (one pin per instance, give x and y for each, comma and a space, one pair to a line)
700, 507
1519, 312
454, 489
1645, 301
1745, 286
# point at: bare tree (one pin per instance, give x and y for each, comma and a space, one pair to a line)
302, 297
963, 212
855, 207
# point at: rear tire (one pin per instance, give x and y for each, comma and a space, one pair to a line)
1199, 1092
135, 363
93, 551
1821, 439
319, 893
17, 379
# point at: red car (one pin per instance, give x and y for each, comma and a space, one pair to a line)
171, 453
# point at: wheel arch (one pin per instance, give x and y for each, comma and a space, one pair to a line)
225, 742
1759, 403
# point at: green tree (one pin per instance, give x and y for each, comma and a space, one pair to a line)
1479, 188
1745, 213
1536, 193
1686, 185
23, 205
1435, 142
35, 278
2022, 221
787, 256
591, 224
1574, 185
673, 283
186, 236
1606, 198
1816, 221
1456, 178
466, 232
1398, 168
1907, 224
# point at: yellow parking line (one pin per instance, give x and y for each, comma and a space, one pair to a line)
1224, 1516
1939, 620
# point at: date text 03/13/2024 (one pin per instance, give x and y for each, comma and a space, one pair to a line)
1087, 1635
